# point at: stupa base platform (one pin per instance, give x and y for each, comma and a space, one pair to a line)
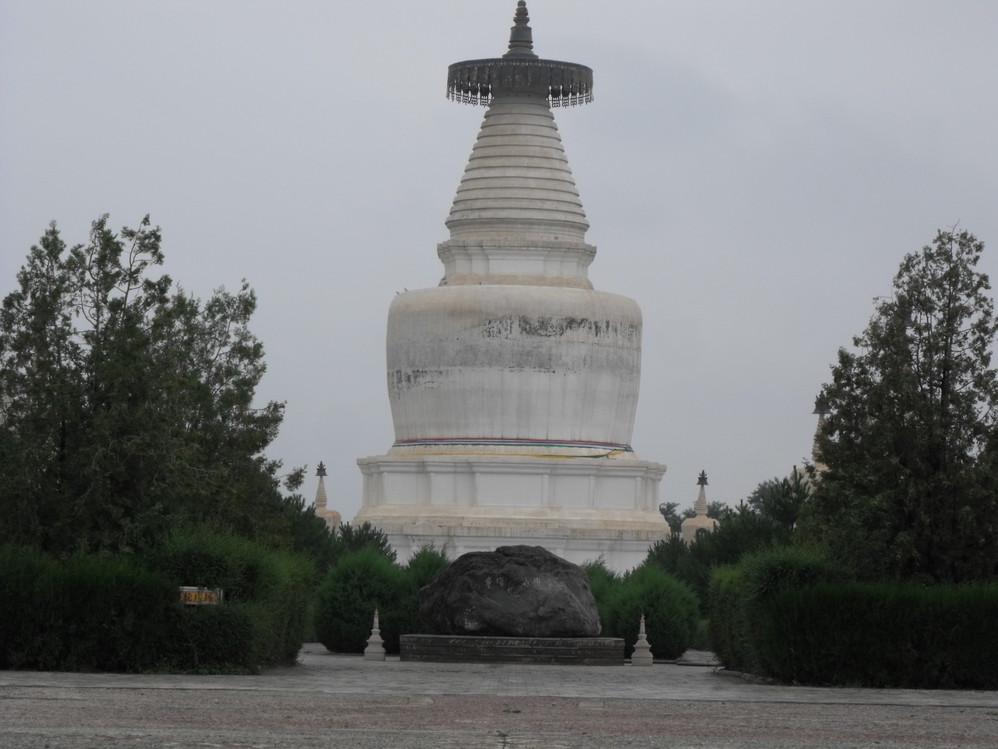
580, 509
579, 651
619, 549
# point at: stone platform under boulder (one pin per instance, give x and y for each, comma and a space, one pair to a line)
581, 651
517, 604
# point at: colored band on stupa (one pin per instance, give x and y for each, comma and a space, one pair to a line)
520, 71
602, 447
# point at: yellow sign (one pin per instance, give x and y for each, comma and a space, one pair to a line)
194, 596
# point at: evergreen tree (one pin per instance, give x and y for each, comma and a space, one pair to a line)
127, 405
781, 500
673, 518
910, 440
741, 530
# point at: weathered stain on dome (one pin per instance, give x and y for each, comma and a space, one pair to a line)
529, 326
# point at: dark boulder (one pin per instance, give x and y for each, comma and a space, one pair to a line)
514, 591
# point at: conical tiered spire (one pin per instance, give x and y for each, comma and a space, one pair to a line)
521, 43
517, 216
518, 181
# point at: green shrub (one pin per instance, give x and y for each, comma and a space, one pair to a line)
603, 581
422, 568
358, 584
726, 611
886, 635
967, 615
687, 563
741, 531
273, 587
701, 638
670, 609
425, 566
112, 613
29, 581
354, 538
89, 614
284, 608
763, 574
209, 639
777, 568
836, 633
209, 559
99, 613
744, 639
790, 614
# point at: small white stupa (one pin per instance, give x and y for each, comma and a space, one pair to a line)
700, 521
375, 650
642, 648
514, 384
821, 411
332, 517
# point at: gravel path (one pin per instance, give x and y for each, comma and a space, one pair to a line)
342, 701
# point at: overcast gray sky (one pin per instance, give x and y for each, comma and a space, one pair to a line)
753, 173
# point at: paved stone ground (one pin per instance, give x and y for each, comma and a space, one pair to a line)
344, 701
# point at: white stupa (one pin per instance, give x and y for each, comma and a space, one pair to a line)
329, 516
700, 522
513, 384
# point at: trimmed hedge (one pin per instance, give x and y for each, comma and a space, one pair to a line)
270, 587
29, 582
112, 609
89, 614
209, 640
742, 636
766, 573
728, 633
790, 614
885, 635
97, 613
